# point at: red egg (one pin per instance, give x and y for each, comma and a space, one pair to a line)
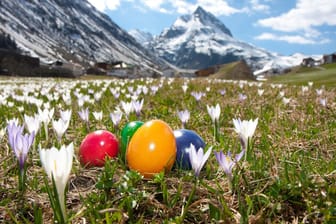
152, 149
96, 146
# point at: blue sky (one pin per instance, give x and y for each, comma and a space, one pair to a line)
282, 26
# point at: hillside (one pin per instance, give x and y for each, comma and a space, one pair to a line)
322, 75
238, 70
234, 71
70, 31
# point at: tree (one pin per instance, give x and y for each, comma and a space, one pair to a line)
6, 42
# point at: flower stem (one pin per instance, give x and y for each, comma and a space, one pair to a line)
248, 150
216, 131
191, 195
46, 131
22, 178
56, 200
88, 126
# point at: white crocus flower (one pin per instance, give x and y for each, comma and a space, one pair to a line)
66, 115
60, 128
242, 97
145, 90
98, 115
45, 116
184, 116
214, 112
198, 158
127, 107
260, 92
154, 89
116, 117
137, 106
197, 95
323, 102
58, 164
286, 100
32, 123
97, 96
10, 104
185, 87
304, 89
245, 129
67, 99
84, 114
319, 92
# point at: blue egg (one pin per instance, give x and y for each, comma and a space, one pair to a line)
184, 138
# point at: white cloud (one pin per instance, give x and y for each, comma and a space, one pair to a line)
257, 6
293, 39
306, 15
103, 5
218, 8
155, 5
183, 7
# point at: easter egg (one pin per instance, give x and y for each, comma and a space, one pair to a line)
126, 134
152, 149
184, 138
96, 146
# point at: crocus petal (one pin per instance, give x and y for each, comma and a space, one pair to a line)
198, 158
206, 156
245, 129
66, 115
58, 163
239, 155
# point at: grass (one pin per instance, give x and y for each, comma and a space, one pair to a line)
235, 70
323, 75
289, 175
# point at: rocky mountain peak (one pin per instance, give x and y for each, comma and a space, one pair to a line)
208, 19
200, 40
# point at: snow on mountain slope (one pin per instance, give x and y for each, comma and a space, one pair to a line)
142, 37
201, 40
280, 63
70, 30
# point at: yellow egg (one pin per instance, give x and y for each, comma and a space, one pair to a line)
152, 149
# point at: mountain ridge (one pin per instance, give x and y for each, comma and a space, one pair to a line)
72, 31
76, 32
200, 40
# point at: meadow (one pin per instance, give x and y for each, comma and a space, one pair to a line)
287, 175
320, 75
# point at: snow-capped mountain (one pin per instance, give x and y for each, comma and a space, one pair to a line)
201, 40
70, 31
143, 37
280, 63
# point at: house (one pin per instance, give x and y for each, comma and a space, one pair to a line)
120, 64
13, 63
102, 65
329, 58
53, 63
111, 65
308, 62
